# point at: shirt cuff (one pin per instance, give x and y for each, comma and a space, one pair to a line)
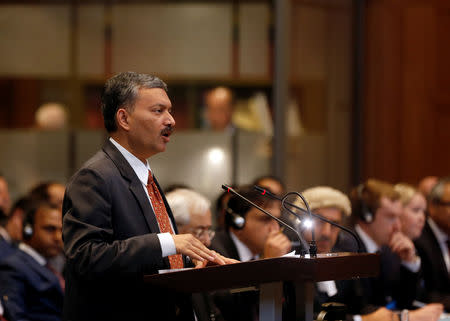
167, 244
357, 317
413, 266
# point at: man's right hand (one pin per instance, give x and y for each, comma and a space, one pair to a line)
277, 244
189, 245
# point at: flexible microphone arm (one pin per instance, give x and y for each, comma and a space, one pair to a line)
320, 217
230, 190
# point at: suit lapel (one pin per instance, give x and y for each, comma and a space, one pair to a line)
135, 185
40, 270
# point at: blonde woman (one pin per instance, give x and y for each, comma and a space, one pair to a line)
414, 207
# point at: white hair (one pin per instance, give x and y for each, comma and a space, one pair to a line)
325, 197
184, 202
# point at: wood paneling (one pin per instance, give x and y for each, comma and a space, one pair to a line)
407, 90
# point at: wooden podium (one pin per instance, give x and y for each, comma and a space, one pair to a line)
269, 275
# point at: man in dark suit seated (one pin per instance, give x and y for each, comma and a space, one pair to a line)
433, 245
117, 225
30, 289
334, 206
249, 235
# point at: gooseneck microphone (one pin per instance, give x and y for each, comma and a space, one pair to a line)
265, 192
230, 190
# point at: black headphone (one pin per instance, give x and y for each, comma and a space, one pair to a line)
365, 214
234, 219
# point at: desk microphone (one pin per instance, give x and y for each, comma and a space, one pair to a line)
265, 192
232, 191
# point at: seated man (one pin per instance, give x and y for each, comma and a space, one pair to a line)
29, 289
334, 206
249, 234
192, 214
433, 245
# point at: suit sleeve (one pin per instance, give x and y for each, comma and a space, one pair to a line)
12, 290
91, 248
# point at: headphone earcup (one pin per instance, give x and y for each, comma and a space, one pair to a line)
27, 231
366, 214
234, 220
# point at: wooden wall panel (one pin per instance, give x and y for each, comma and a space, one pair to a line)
407, 90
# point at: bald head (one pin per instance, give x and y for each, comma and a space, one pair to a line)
219, 108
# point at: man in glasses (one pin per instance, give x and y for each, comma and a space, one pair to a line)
433, 245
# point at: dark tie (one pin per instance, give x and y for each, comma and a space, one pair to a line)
176, 261
61, 280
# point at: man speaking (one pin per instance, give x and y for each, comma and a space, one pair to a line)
117, 225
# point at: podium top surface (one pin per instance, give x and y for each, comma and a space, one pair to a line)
334, 266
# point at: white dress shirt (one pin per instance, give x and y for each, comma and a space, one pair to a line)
245, 254
141, 170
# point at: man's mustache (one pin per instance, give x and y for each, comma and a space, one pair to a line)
167, 131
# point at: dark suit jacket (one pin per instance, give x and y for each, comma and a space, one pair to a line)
234, 307
29, 290
394, 283
110, 242
436, 277
6, 248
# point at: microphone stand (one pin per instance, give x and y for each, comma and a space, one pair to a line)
308, 212
230, 190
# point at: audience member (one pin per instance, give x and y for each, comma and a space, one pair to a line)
51, 116
426, 184
433, 245
272, 183
376, 209
14, 222
334, 205
219, 109
248, 235
192, 214
220, 207
29, 288
50, 192
413, 213
5, 200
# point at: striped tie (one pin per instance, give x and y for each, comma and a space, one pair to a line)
176, 261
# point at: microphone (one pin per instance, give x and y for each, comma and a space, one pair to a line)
265, 192
230, 190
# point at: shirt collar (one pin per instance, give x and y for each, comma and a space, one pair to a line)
245, 254
369, 243
138, 166
32, 252
5, 235
440, 235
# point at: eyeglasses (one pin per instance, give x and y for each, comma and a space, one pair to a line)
203, 231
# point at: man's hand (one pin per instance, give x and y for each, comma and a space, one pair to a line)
220, 260
403, 247
277, 244
430, 312
189, 245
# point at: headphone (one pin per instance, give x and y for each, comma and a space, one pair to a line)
27, 230
28, 222
233, 219
365, 214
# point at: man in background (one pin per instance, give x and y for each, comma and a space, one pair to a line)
30, 289
219, 109
433, 245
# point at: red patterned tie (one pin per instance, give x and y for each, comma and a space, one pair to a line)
176, 261
61, 280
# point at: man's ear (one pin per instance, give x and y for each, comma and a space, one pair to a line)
122, 119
